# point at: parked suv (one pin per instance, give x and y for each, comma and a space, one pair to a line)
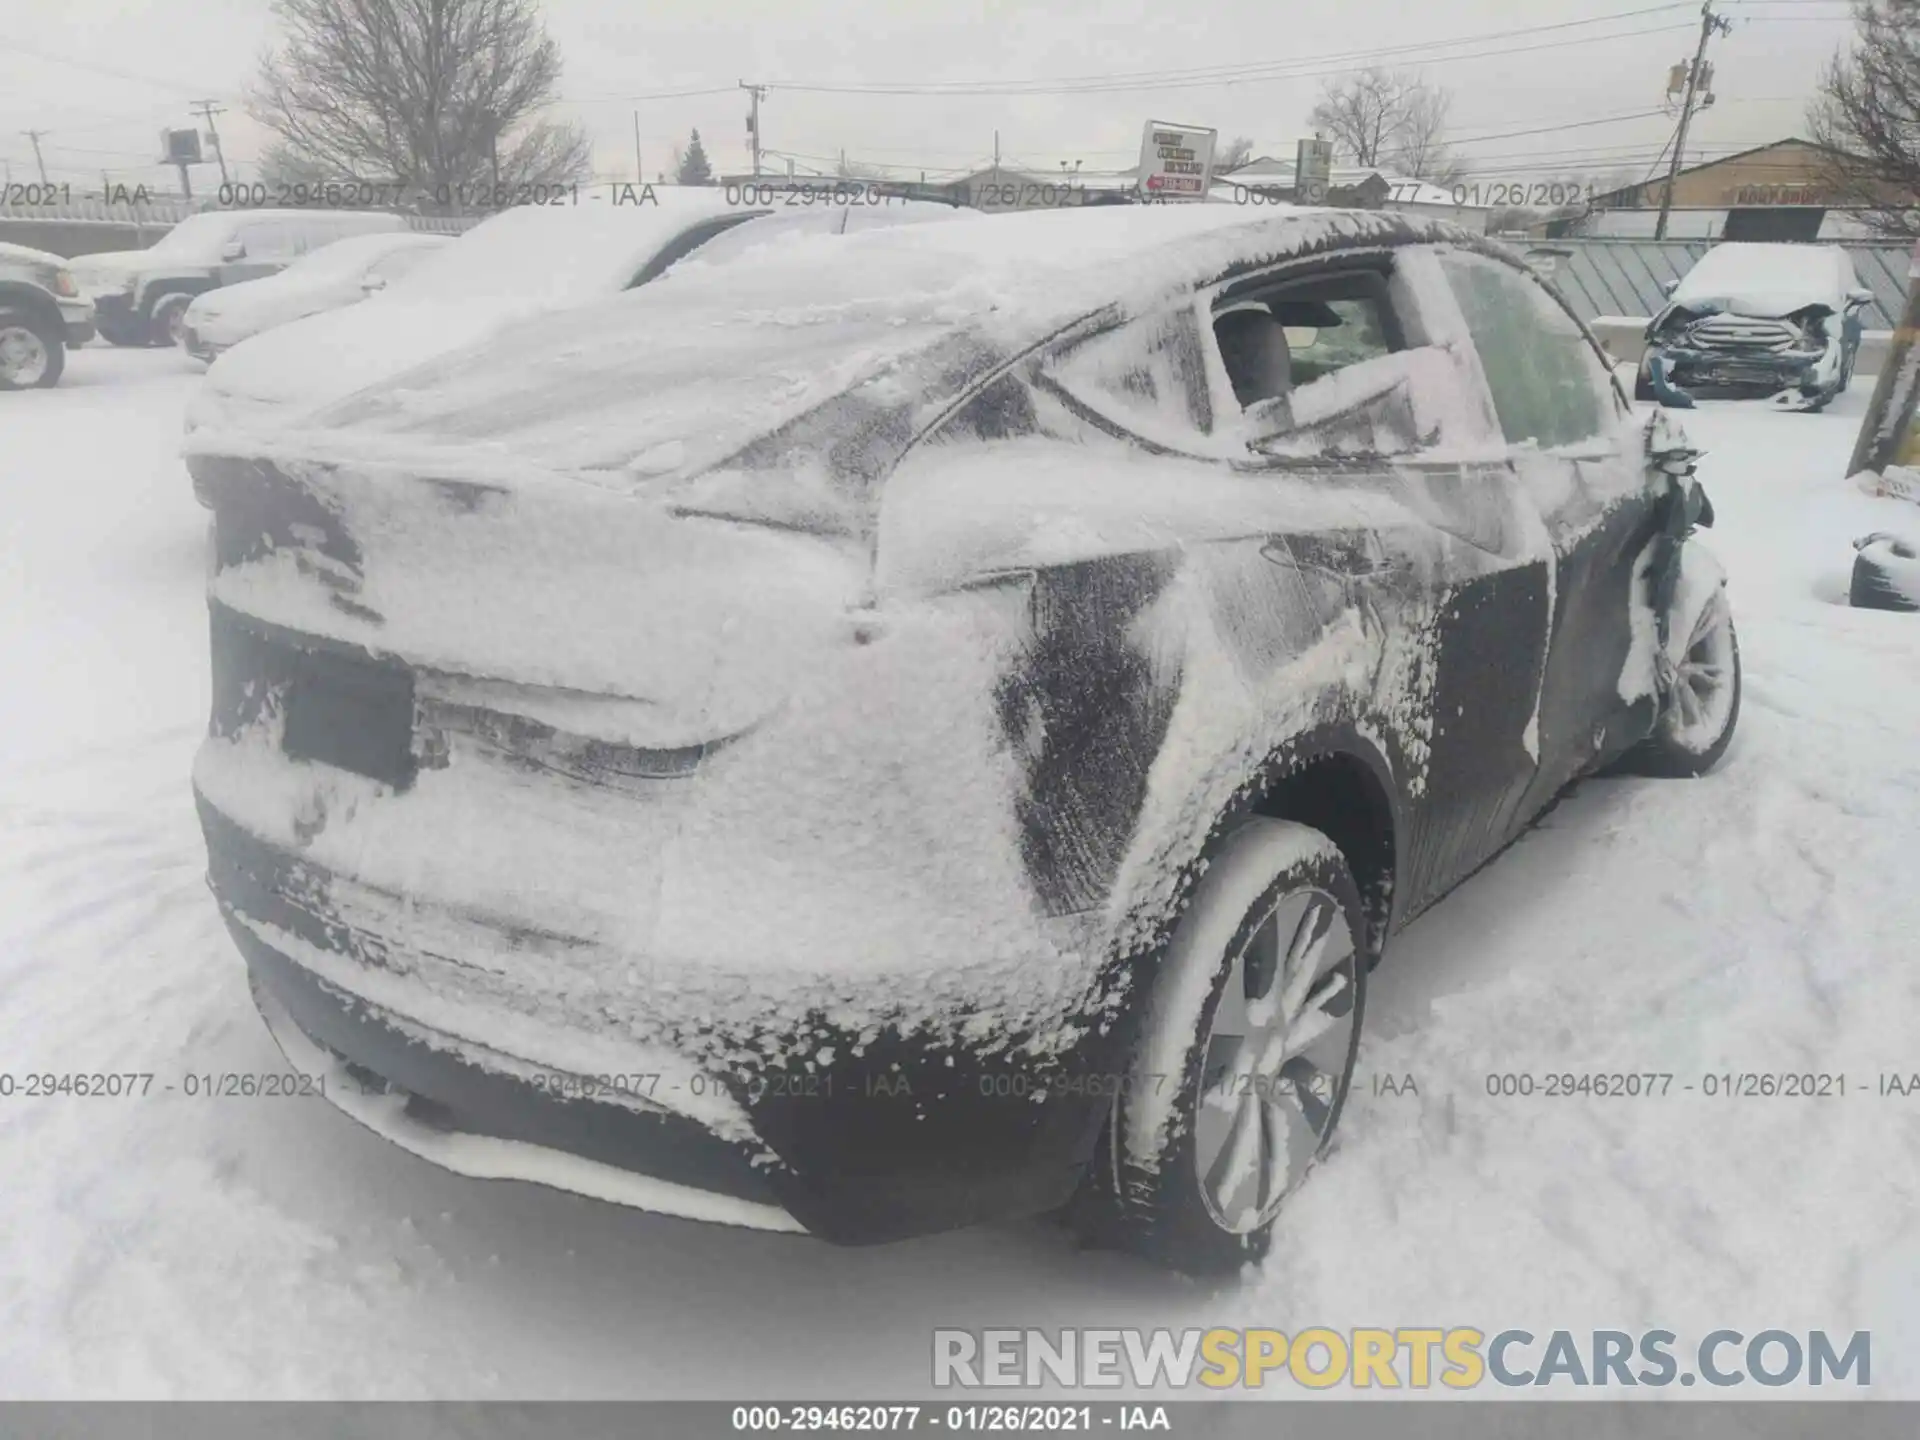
1752, 321
42, 312
932, 725
142, 295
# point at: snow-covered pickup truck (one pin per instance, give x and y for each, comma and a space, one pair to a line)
900, 729
1754, 320
142, 295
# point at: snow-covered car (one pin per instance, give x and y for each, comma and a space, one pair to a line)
330, 278
1755, 319
518, 263
142, 296
42, 315
521, 261
934, 724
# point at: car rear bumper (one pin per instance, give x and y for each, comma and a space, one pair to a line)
874, 1138
491, 1125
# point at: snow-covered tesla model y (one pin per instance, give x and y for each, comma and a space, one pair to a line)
903, 729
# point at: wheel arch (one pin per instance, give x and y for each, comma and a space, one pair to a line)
154, 292
1339, 784
15, 294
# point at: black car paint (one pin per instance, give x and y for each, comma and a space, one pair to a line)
906, 1133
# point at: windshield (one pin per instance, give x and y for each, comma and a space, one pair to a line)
197, 234
343, 257
551, 254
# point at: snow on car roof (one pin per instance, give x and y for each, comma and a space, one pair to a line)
1766, 280
558, 253
675, 374
353, 251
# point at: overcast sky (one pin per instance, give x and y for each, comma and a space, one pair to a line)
102, 77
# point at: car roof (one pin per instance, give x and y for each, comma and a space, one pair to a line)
708, 357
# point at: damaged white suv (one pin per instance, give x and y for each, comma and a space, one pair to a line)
1754, 320
933, 725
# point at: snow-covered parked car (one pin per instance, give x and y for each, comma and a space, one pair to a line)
142, 295
42, 315
934, 724
1754, 320
521, 262
330, 278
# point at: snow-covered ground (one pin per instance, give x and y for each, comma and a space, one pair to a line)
1762, 919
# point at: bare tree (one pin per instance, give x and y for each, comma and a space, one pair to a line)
444, 95
1377, 116
1238, 152
1417, 151
1868, 114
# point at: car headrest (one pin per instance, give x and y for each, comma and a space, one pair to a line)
1259, 361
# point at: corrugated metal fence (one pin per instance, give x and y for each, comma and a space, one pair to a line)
1624, 277
84, 226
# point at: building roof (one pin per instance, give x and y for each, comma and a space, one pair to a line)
1654, 181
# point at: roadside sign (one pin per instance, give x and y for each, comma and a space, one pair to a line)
1312, 171
1176, 161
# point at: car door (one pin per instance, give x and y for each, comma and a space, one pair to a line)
1377, 404
1470, 571
1577, 451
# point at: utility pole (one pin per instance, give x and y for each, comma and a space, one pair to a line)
34, 136
753, 122
1710, 24
207, 110
639, 175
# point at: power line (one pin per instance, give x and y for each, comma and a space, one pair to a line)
18, 49
1273, 72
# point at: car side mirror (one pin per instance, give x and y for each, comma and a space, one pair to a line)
1669, 287
234, 250
1857, 298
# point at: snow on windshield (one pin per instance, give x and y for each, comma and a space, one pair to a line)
1765, 280
195, 235
355, 253
557, 253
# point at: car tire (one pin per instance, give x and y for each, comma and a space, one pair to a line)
38, 350
1886, 575
1273, 938
1698, 715
168, 313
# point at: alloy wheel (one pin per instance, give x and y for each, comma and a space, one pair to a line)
23, 357
1275, 1059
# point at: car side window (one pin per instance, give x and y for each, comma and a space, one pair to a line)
1321, 367
1547, 385
267, 241
392, 266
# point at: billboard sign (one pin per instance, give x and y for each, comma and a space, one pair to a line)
1312, 171
1176, 161
180, 147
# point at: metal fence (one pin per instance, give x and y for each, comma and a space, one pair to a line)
87, 226
1625, 277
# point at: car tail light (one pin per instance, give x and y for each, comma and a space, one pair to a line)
63, 284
